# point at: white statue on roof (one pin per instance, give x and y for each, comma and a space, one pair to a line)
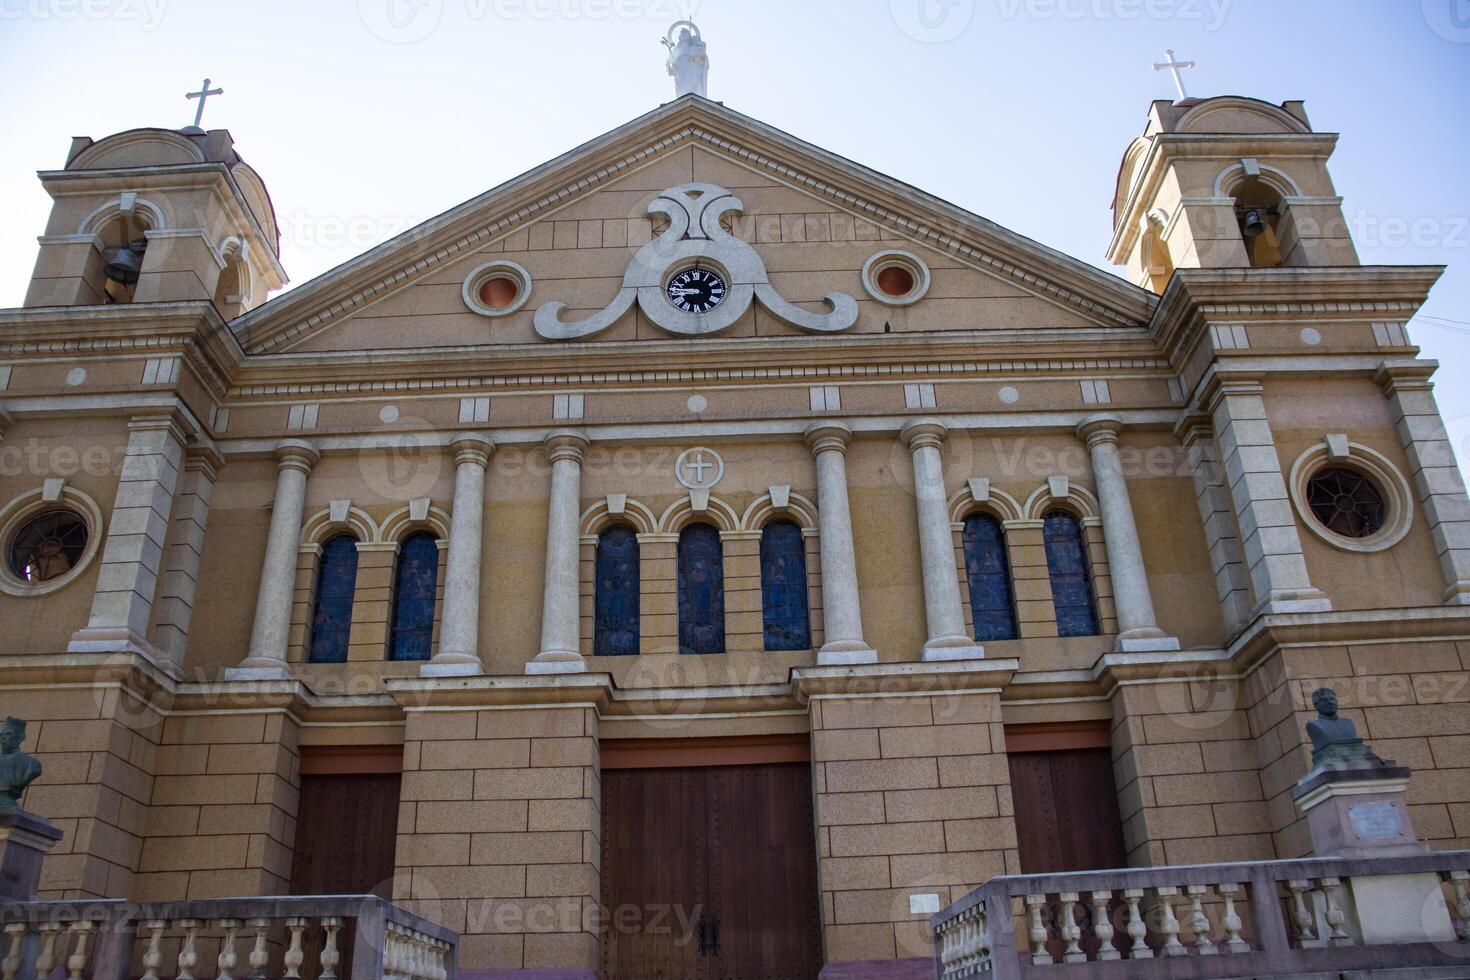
688, 63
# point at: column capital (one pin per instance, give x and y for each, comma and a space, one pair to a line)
203, 459
171, 421
919, 433
1193, 425
1222, 386
1394, 378
566, 444
472, 447
829, 435
1103, 427
296, 454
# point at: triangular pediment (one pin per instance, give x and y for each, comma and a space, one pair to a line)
575, 224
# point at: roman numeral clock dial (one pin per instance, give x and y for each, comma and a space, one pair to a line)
696, 290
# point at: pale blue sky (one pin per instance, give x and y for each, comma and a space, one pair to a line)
364, 116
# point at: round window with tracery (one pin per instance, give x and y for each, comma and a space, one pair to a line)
47, 546
1346, 502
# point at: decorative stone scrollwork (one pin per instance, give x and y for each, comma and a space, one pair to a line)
694, 235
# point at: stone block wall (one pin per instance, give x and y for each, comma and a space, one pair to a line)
912, 797
499, 833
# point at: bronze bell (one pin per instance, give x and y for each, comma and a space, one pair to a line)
127, 263
1255, 222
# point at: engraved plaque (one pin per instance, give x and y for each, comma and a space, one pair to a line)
1375, 821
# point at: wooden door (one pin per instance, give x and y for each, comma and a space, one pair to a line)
346, 835
1066, 811
727, 856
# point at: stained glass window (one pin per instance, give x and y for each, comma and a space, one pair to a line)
1071, 581
988, 573
48, 546
331, 612
783, 588
412, 631
1346, 502
615, 629
701, 590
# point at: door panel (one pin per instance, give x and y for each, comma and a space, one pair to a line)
1066, 811
729, 852
346, 835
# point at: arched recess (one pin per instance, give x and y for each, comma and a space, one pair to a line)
1275, 177
762, 510
681, 512
320, 526
597, 517
401, 523
1241, 115
1079, 500
149, 215
1002, 505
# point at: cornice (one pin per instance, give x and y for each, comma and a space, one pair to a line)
1067, 281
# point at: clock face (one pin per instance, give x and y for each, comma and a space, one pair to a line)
696, 290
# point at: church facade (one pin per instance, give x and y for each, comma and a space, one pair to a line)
705, 556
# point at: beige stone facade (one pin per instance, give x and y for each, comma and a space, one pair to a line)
213, 442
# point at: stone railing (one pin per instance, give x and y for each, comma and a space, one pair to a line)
1269, 918
352, 937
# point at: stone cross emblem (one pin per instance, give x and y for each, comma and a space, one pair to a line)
202, 95
1174, 68
699, 468
695, 236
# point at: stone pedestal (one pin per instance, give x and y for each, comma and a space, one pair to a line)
25, 838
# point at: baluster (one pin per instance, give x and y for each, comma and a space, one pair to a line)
1332, 888
1231, 919
980, 954
228, 959
1301, 915
46, 958
1168, 924
11, 964
259, 955
77, 961
153, 955
330, 956
1460, 882
1039, 954
1102, 926
1199, 922
1136, 928
294, 955
188, 955
1071, 931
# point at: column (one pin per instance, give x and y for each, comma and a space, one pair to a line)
133, 551
1270, 541
268, 637
948, 639
459, 627
1232, 584
1138, 629
842, 615
175, 606
1438, 486
560, 599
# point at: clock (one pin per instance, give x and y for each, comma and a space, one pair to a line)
696, 290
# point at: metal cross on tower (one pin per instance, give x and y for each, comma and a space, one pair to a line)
203, 94
1173, 67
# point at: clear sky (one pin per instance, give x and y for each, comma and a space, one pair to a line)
366, 116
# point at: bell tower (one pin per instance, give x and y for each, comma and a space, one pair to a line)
157, 215
1226, 182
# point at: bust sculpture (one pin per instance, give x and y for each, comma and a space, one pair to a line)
1335, 741
17, 769
688, 63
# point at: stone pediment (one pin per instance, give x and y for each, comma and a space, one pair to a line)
595, 233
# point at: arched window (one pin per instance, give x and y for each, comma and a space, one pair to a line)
701, 590
988, 572
331, 610
787, 625
1071, 582
411, 632
615, 623
1258, 212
